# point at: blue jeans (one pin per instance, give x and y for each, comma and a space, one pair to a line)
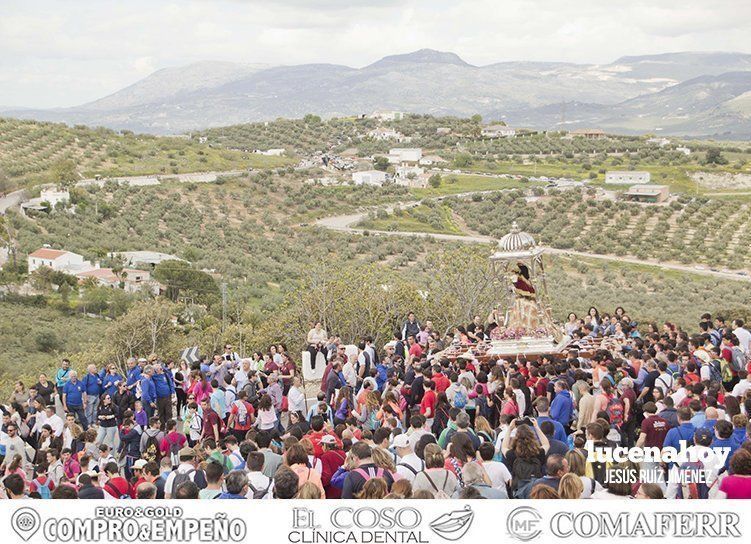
109, 436
92, 404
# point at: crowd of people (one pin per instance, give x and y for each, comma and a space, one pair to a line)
404, 419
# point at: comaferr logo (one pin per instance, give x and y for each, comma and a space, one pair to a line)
642, 524
454, 525
524, 523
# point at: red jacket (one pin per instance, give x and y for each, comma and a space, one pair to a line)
330, 462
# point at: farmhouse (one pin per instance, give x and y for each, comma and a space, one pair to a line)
387, 115
141, 258
405, 155
48, 199
387, 134
498, 131
58, 260
647, 193
369, 177
131, 280
589, 133
626, 177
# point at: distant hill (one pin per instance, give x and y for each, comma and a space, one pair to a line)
691, 93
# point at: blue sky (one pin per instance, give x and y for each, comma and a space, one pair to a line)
66, 52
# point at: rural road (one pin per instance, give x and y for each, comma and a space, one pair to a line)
346, 223
10, 200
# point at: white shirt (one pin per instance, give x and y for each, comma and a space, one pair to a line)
498, 473
183, 468
665, 382
413, 461
57, 424
744, 339
296, 400
260, 481
350, 376
741, 387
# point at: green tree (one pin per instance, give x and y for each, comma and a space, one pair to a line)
435, 181
181, 279
381, 163
64, 173
714, 156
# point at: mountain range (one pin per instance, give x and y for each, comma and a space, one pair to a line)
688, 93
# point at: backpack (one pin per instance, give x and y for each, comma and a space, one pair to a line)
111, 488
151, 451
44, 489
174, 453
242, 413
715, 371
241, 465
260, 493
180, 478
367, 475
690, 489
371, 421
523, 473
615, 411
726, 371
737, 359
460, 399
439, 491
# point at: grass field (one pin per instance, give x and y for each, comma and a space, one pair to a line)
463, 183
429, 219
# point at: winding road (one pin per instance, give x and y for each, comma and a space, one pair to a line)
346, 223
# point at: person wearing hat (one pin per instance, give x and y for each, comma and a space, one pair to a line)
408, 463
137, 478
185, 471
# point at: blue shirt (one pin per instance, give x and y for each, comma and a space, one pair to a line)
148, 390
561, 407
134, 375
61, 377
109, 383
739, 435
726, 443
685, 431
74, 393
559, 433
163, 385
92, 383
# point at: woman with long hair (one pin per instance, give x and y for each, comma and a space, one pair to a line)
200, 386
441, 419
460, 451
267, 418
296, 458
375, 488
524, 452
435, 478
570, 487
343, 405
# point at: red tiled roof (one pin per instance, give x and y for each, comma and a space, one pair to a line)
46, 253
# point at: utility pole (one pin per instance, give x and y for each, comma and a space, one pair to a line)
224, 306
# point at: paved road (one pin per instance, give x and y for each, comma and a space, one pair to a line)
345, 223
10, 200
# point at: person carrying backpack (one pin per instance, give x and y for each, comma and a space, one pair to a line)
241, 416
172, 443
365, 471
524, 454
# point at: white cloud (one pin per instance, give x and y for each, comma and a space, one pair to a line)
55, 56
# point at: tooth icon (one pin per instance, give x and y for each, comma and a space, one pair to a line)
454, 525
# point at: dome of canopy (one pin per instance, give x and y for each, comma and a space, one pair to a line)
516, 240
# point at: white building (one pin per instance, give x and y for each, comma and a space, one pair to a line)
132, 280
430, 160
387, 134
498, 131
57, 259
269, 152
626, 177
442, 131
399, 155
47, 200
369, 177
140, 258
662, 142
387, 115
685, 150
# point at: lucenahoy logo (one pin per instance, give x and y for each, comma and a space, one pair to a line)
454, 525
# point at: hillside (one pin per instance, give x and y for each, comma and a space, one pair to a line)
29, 151
425, 81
